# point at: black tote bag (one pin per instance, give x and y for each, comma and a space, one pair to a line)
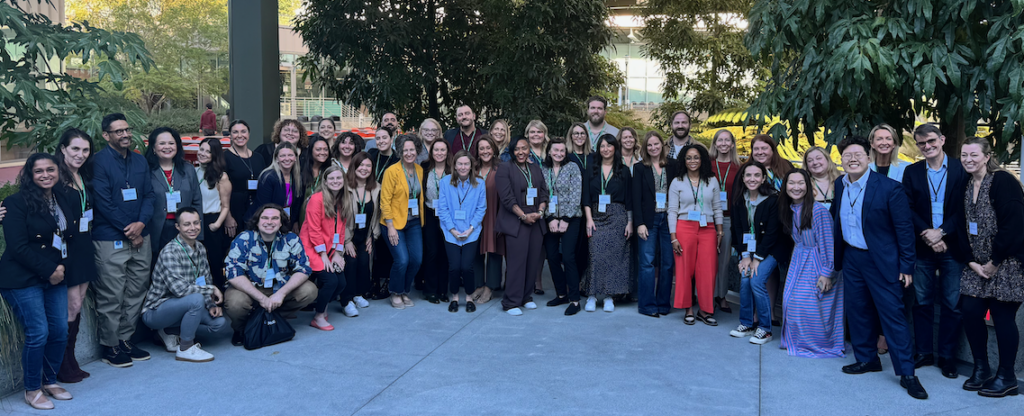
266, 328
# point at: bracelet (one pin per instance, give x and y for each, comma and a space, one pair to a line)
675, 241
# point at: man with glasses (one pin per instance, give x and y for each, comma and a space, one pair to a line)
124, 199
463, 137
597, 107
877, 261
935, 188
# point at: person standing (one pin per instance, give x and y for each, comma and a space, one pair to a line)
285, 131
564, 182
224, 121
281, 183
680, 123
764, 150
597, 108
651, 180
74, 160
382, 157
580, 153
812, 302
429, 132
124, 201
326, 129
609, 225
991, 241
727, 167
175, 184
243, 167
323, 238
215, 188
824, 173
460, 207
523, 197
877, 261
37, 231
401, 204
208, 121
499, 133
464, 137
885, 152
933, 187
364, 194
345, 148
487, 269
435, 272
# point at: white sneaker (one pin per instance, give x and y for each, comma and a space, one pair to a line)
741, 331
350, 310
591, 304
170, 341
514, 311
761, 337
194, 354
360, 302
609, 306
530, 305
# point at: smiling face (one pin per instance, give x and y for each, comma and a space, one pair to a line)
930, 145
723, 144
409, 152
239, 135
44, 173
119, 135
189, 225
290, 134
286, 159
76, 152
270, 222
796, 187
484, 151
464, 116
439, 154
628, 142
692, 160
463, 166
761, 152
855, 160
681, 125
579, 137
817, 163
166, 147
606, 150
596, 112
557, 152
347, 147
973, 157
335, 180
522, 150
882, 142
430, 132
321, 151
364, 169
752, 177
654, 147
383, 141
326, 129
499, 132
536, 136
204, 155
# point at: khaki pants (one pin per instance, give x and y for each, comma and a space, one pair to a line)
120, 288
237, 303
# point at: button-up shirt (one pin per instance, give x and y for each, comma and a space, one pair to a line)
112, 174
248, 257
852, 210
937, 189
176, 275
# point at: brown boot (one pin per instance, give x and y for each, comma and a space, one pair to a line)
70, 372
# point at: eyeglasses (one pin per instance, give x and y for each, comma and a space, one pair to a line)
121, 132
430, 130
930, 142
854, 156
296, 131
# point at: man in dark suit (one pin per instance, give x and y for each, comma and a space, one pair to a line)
877, 261
935, 188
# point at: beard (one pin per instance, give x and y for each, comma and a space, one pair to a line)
681, 133
596, 119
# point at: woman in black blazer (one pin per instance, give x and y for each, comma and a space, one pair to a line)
434, 272
280, 177
36, 229
651, 179
175, 183
524, 197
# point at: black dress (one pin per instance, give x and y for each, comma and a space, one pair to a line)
240, 170
81, 261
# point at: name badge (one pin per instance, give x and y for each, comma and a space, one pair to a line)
201, 281
659, 200
693, 216
129, 194
83, 225
361, 221
531, 195
602, 202
747, 237
703, 220
87, 214
337, 239
118, 245
58, 243
268, 280
173, 198
972, 227
553, 204
288, 211
253, 183
414, 205
752, 245
723, 196
460, 214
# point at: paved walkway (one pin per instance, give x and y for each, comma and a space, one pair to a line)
427, 361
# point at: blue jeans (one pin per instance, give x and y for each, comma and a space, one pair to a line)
655, 297
408, 256
43, 312
754, 293
945, 289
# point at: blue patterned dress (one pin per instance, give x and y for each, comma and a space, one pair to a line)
813, 324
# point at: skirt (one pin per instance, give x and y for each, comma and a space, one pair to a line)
609, 253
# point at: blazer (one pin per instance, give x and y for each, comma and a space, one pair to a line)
81, 261
474, 203
895, 171
184, 181
768, 233
373, 231
915, 183
271, 189
1008, 201
318, 233
644, 192
30, 257
512, 186
394, 196
887, 226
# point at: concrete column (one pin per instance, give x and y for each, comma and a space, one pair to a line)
254, 59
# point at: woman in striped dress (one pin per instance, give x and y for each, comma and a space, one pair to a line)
812, 303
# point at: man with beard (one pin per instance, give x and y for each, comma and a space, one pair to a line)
596, 127
389, 120
680, 134
467, 134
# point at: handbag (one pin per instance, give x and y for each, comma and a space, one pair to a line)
263, 328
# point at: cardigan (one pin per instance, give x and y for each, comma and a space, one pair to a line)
567, 187
471, 200
680, 201
770, 238
1008, 201
271, 189
317, 233
184, 180
31, 257
394, 196
644, 198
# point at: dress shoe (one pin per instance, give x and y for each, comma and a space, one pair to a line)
948, 367
572, 309
652, 315
979, 377
558, 301
538, 291
921, 360
432, 299
1005, 384
444, 298
914, 387
237, 339
470, 307
861, 368
453, 307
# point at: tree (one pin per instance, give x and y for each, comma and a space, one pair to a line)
423, 58
847, 66
699, 47
41, 99
286, 10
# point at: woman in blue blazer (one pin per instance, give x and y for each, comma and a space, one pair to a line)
460, 207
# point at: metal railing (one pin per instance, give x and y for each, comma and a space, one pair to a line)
311, 110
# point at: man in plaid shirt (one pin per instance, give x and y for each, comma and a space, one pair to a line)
182, 296
266, 264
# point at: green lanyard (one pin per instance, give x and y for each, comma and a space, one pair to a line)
659, 179
750, 216
170, 188
84, 196
195, 268
437, 182
380, 171
698, 197
604, 181
539, 160
412, 192
583, 159
551, 181
361, 202
721, 178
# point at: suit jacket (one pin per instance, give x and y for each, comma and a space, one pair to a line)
30, 257
888, 229
915, 183
512, 186
184, 181
644, 191
81, 261
771, 238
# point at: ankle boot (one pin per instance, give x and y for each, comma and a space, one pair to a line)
70, 372
981, 375
1005, 384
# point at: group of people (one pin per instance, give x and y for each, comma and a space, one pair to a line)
459, 214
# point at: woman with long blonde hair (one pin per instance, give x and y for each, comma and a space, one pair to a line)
323, 238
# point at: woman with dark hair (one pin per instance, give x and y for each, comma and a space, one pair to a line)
695, 224
401, 204
347, 145
326, 129
651, 179
173, 179
243, 167
314, 163
435, 272
524, 197
74, 158
812, 303
608, 208
383, 156
364, 194
565, 190
215, 188
323, 238
285, 131
765, 151
37, 231
460, 209
281, 184
756, 236
487, 268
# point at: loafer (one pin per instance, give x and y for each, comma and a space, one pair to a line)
396, 302
948, 368
861, 368
453, 307
914, 387
572, 309
443, 298
470, 307
538, 291
558, 301
921, 360
979, 377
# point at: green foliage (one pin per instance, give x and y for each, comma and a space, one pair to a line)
42, 97
661, 118
519, 60
184, 120
11, 334
847, 66
699, 46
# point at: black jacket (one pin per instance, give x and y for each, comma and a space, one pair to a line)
771, 240
81, 261
915, 183
644, 191
30, 257
1008, 201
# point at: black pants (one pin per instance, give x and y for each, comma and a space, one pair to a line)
330, 285
490, 273
357, 272
1003, 319
216, 243
460, 266
435, 261
561, 250
382, 261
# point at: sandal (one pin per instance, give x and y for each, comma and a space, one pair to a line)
38, 401
57, 392
707, 319
688, 319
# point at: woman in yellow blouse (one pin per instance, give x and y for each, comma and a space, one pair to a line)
401, 202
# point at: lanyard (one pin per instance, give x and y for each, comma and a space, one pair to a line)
195, 267
750, 216
538, 158
462, 138
483, 174
462, 197
362, 202
582, 158
127, 170
854, 201
721, 178
413, 193
823, 193
527, 174
935, 189
379, 169
552, 181
659, 179
83, 194
245, 161
604, 181
437, 181
270, 250
170, 183
698, 198
599, 134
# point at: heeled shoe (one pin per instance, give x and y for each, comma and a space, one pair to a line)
979, 377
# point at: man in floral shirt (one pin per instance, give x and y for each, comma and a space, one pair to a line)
266, 265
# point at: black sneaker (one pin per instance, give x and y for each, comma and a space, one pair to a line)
134, 352
237, 339
572, 309
116, 357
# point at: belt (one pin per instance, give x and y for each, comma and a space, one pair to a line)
856, 248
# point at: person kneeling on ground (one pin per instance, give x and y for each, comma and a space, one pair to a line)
182, 294
283, 283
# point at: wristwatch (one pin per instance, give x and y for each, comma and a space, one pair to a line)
942, 232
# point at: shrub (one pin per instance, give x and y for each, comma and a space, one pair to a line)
185, 121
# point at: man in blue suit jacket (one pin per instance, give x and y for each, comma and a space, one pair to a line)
877, 260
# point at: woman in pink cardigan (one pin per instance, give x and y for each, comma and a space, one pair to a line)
323, 237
